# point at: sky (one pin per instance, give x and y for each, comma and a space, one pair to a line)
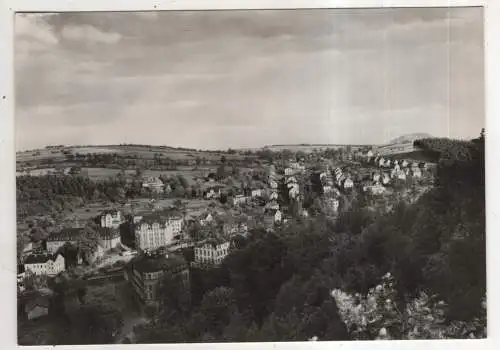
220, 79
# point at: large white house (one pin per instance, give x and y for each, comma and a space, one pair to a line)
211, 252
44, 264
157, 230
239, 199
154, 184
111, 219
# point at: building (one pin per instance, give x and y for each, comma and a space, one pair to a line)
67, 235
157, 230
44, 264
348, 184
416, 172
111, 219
273, 196
272, 205
273, 184
239, 199
211, 252
206, 219
233, 228
146, 272
327, 189
154, 184
400, 174
386, 179
258, 192
381, 162
289, 171
109, 238
375, 189
213, 193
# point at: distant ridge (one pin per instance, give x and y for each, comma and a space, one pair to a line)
410, 138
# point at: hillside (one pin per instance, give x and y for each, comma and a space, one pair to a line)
409, 138
64, 154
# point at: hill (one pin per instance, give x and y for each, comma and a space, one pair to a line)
410, 138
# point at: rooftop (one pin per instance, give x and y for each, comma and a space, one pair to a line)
39, 258
65, 234
110, 211
107, 232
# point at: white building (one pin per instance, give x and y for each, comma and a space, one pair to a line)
111, 219
273, 196
239, 199
44, 264
376, 189
211, 252
155, 231
213, 193
416, 172
257, 192
206, 219
154, 184
348, 183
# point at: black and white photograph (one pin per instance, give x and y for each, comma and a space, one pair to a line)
229, 176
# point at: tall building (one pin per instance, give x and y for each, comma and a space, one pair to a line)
157, 230
146, 272
211, 252
109, 237
111, 219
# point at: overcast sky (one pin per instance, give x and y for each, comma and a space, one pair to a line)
219, 79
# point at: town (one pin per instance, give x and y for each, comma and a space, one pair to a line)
166, 224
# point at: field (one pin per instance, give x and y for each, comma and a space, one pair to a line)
310, 148
189, 173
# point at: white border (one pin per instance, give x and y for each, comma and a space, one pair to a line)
8, 333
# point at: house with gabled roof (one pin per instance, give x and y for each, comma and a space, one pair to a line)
44, 264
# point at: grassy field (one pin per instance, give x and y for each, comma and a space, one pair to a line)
194, 207
57, 155
189, 173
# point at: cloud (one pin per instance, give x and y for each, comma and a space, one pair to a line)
34, 28
252, 78
89, 34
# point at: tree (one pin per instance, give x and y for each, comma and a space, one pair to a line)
218, 306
